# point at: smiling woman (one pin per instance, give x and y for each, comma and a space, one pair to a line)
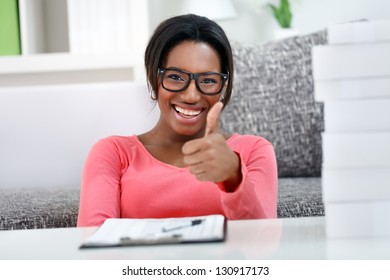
185, 165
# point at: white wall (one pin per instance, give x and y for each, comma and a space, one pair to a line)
46, 132
255, 24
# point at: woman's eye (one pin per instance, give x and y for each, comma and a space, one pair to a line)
175, 77
208, 81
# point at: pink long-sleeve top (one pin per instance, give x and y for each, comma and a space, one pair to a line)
122, 179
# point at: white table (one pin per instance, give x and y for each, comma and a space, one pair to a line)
295, 238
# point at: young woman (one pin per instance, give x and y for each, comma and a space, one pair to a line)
184, 166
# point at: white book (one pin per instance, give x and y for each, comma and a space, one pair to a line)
74, 34
349, 150
357, 115
105, 19
78, 26
336, 62
332, 90
139, 27
92, 22
31, 26
359, 32
355, 184
122, 22
23, 26
358, 219
139, 35
84, 15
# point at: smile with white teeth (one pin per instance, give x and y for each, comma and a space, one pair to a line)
186, 112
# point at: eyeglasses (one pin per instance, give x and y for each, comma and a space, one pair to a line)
208, 83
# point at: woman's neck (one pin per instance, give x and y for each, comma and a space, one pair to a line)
165, 135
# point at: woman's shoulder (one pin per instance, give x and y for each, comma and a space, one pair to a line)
247, 140
251, 147
117, 142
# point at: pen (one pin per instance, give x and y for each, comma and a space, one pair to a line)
183, 225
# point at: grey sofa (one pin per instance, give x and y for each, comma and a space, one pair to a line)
273, 97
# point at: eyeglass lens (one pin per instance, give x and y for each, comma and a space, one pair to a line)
175, 80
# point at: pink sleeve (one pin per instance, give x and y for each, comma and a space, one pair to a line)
100, 186
256, 196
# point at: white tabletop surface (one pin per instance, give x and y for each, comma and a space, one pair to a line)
293, 238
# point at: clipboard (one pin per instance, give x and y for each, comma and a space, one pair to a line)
116, 232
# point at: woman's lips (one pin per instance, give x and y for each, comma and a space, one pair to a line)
187, 113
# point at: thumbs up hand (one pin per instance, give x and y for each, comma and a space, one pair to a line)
212, 125
210, 158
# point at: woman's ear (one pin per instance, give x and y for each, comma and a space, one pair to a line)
152, 93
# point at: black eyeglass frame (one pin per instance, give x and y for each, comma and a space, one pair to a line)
193, 76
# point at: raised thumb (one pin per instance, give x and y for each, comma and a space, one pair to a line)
212, 119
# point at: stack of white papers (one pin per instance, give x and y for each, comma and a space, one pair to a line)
352, 78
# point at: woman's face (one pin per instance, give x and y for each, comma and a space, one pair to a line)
185, 111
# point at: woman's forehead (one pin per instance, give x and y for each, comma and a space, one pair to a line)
194, 57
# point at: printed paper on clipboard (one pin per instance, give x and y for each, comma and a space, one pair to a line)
127, 232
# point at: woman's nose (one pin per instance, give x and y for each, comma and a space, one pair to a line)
191, 94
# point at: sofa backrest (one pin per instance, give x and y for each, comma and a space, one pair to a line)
47, 131
273, 96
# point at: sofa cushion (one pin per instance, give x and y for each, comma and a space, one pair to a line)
58, 207
273, 97
38, 208
300, 197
